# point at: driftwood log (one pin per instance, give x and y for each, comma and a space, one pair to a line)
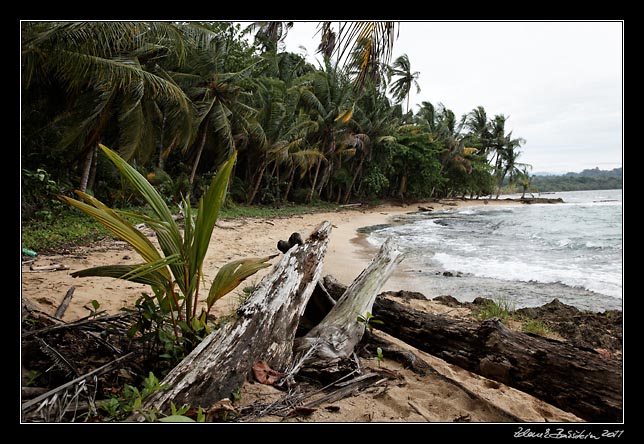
577, 380
336, 336
263, 330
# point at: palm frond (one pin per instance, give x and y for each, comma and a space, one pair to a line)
232, 274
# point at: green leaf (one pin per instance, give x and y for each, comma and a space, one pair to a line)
126, 272
176, 418
209, 206
232, 274
116, 224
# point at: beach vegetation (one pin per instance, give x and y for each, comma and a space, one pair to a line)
177, 98
368, 320
501, 308
174, 273
535, 326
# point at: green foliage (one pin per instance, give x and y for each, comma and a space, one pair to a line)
130, 400
368, 320
500, 308
535, 326
586, 180
38, 197
379, 356
179, 97
175, 272
93, 310
69, 229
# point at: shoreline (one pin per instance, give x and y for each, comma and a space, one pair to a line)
348, 253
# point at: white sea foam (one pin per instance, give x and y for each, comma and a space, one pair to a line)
577, 244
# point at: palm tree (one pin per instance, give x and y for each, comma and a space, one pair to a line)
525, 180
223, 122
367, 46
479, 132
401, 87
328, 98
270, 34
505, 151
110, 72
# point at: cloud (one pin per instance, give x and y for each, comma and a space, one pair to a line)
559, 82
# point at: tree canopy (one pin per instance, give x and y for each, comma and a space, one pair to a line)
175, 99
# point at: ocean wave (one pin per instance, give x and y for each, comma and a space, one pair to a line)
511, 269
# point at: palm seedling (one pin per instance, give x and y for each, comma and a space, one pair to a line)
175, 272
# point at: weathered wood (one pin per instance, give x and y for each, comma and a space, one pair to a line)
60, 311
264, 330
574, 379
336, 336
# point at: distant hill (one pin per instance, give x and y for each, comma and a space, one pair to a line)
592, 179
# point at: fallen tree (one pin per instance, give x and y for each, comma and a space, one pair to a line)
574, 379
263, 339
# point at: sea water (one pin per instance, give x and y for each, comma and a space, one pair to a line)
525, 254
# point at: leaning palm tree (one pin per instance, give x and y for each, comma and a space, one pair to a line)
269, 34
405, 79
110, 74
327, 96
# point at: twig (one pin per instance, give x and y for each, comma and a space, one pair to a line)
58, 358
66, 300
78, 380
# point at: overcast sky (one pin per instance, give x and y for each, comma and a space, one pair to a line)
560, 83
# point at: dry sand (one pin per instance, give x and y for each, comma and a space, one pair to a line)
413, 398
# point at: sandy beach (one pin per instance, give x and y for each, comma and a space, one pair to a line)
347, 255
412, 398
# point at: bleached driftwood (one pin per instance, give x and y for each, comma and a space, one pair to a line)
263, 330
336, 336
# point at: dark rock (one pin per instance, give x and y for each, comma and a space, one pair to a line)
405, 295
448, 300
481, 301
583, 328
448, 274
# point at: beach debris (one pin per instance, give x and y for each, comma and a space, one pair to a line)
221, 411
294, 239
266, 375
51, 267
28, 252
426, 209
541, 367
65, 303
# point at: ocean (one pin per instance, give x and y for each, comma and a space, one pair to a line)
526, 255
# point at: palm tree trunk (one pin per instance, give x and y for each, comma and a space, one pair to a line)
290, 183
315, 179
92, 171
260, 175
87, 166
403, 186
202, 143
353, 181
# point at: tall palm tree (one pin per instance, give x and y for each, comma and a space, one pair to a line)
479, 132
364, 47
223, 120
405, 79
327, 96
505, 151
270, 33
